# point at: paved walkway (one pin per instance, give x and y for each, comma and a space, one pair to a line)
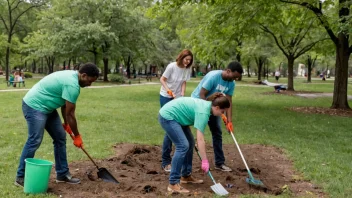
92, 87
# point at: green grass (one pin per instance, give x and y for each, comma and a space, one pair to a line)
319, 145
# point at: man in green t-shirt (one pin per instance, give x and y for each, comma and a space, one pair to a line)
59, 89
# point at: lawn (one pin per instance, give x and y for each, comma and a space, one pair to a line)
318, 145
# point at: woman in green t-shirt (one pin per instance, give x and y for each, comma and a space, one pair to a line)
175, 118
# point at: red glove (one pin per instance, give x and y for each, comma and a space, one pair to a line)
171, 93
77, 141
205, 166
229, 126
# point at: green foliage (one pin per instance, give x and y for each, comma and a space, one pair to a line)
28, 75
116, 78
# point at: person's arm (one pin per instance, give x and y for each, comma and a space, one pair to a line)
63, 113
183, 88
163, 80
203, 92
201, 145
229, 110
70, 118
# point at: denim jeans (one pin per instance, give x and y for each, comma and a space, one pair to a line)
37, 121
183, 139
215, 128
167, 144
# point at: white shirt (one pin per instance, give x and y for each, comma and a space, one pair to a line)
277, 73
175, 78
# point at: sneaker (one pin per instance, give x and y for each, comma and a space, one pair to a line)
167, 168
68, 179
177, 188
224, 168
19, 181
190, 180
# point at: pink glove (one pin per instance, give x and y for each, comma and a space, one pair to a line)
205, 166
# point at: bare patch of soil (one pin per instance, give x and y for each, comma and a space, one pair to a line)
322, 110
137, 168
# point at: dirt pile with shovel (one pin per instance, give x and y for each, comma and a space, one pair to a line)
137, 168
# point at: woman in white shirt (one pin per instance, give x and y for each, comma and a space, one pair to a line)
173, 83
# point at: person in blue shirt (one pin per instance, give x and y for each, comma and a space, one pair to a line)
219, 81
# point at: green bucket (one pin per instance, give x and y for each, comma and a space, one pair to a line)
37, 175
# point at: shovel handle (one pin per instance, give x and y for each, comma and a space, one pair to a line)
91, 159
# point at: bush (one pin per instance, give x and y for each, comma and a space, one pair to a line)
28, 75
116, 78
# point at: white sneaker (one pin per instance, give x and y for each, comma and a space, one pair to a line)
224, 168
167, 168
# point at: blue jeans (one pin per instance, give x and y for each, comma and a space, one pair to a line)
183, 139
215, 128
37, 121
167, 144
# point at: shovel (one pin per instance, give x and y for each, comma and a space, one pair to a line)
250, 180
217, 187
102, 172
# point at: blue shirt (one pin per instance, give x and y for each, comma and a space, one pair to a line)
213, 82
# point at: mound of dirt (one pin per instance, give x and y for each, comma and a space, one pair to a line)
137, 168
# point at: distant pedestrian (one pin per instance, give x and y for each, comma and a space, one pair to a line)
277, 75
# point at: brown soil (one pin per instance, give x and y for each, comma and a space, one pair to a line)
321, 110
137, 168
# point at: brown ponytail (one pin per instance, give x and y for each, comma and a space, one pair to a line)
219, 99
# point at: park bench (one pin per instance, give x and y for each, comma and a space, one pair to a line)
12, 82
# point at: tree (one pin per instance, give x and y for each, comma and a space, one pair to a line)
340, 40
10, 15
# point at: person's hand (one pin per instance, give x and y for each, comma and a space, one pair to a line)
229, 126
205, 166
171, 93
224, 118
77, 141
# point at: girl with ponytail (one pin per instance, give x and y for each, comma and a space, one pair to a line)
175, 117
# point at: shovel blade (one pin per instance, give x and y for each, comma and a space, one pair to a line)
255, 182
106, 176
219, 189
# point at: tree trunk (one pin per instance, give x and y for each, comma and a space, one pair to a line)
128, 66
309, 76
310, 64
42, 65
291, 61
51, 70
69, 64
106, 68
260, 63
34, 66
7, 62
64, 65
117, 69
341, 73
248, 72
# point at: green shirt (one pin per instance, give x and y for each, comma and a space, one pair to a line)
52, 91
188, 111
